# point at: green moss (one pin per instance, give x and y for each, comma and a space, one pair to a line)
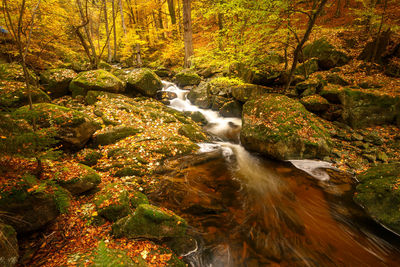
114, 134
308, 67
56, 81
81, 184
89, 157
129, 171
192, 132
120, 203
143, 81
187, 79
14, 72
222, 85
138, 198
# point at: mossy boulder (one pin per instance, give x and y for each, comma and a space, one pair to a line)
327, 55
56, 81
313, 85
192, 132
315, 103
378, 193
307, 67
113, 135
14, 72
95, 80
197, 116
14, 94
149, 221
29, 204
368, 108
105, 66
89, 157
199, 96
222, 86
332, 93
78, 178
72, 127
187, 78
116, 201
9, 251
143, 81
281, 128
245, 92
231, 109
392, 69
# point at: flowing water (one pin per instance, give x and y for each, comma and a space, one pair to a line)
249, 211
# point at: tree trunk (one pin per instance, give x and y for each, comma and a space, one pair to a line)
121, 11
85, 22
299, 46
187, 32
179, 17
114, 13
109, 55
171, 9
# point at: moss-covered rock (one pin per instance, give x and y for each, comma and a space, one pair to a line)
89, 157
187, 78
14, 72
150, 221
199, 96
334, 78
328, 57
332, 93
313, 85
368, 108
378, 193
197, 116
306, 68
113, 135
14, 94
282, 128
192, 132
9, 251
231, 109
56, 81
105, 66
315, 103
116, 201
80, 178
95, 80
72, 127
143, 81
245, 92
222, 86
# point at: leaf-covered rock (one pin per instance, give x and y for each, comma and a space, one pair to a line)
315, 103
143, 81
56, 81
77, 178
199, 96
95, 80
282, 128
378, 193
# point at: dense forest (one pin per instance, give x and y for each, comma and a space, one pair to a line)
199, 133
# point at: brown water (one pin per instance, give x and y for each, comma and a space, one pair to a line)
246, 211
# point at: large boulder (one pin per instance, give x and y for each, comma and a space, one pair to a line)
143, 81
187, 78
14, 94
245, 92
56, 81
378, 193
95, 80
326, 54
77, 178
149, 221
199, 96
307, 67
8, 246
72, 127
281, 128
367, 108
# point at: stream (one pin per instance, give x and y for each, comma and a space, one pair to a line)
246, 210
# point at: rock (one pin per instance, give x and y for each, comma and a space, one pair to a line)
56, 81
14, 72
222, 86
241, 71
197, 116
313, 85
363, 109
374, 138
369, 85
114, 134
370, 157
266, 78
95, 80
116, 201
357, 137
245, 92
81, 178
231, 109
14, 95
9, 251
89, 157
186, 78
149, 221
315, 103
382, 156
218, 102
105, 66
328, 57
163, 72
281, 128
72, 127
192, 132
378, 193
199, 96
368, 52
165, 95
307, 67
93, 96
336, 79
332, 93
143, 81
28, 211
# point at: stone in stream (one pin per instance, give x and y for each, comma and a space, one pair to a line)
199, 96
378, 193
281, 128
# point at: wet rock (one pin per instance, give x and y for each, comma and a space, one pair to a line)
282, 128
82, 179
72, 127
163, 95
231, 109
315, 103
149, 221
199, 96
56, 81
113, 135
186, 78
9, 251
143, 81
328, 57
197, 116
14, 95
95, 80
378, 193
